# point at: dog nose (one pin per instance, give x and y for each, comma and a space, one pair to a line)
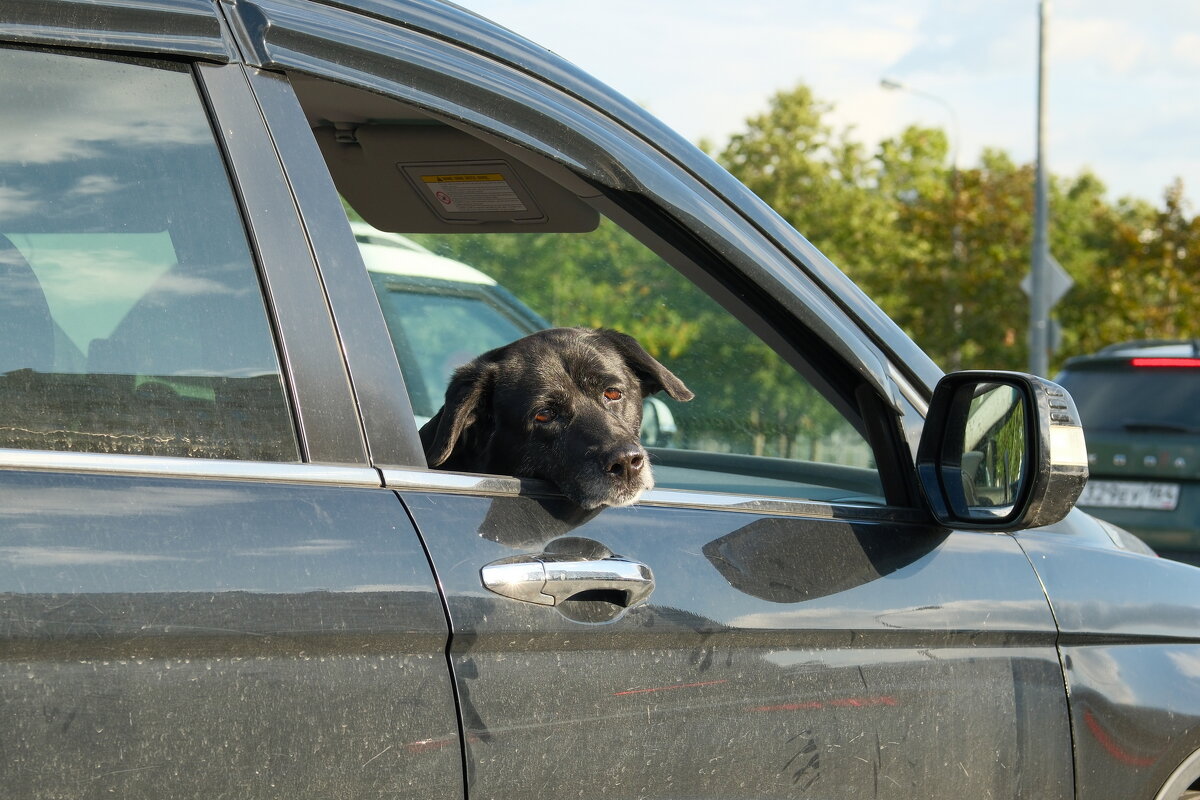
626, 464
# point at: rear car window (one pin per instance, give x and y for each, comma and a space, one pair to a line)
131, 315
1128, 398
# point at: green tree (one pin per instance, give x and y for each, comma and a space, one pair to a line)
1141, 281
943, 249
818, 179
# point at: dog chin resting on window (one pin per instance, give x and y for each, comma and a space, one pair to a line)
563, 405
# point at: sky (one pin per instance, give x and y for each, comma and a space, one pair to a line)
1123, 78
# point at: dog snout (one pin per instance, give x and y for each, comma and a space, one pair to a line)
626, 464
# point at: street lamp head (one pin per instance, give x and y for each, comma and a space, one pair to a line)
888, 83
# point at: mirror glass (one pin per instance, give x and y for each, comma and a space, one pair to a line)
993, 448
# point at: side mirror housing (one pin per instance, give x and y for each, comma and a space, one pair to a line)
1001, 451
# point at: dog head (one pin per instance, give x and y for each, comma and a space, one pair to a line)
563, 405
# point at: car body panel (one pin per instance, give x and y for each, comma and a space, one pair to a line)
776, 654
1132, 675
174, 637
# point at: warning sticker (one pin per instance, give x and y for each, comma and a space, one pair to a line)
473, 193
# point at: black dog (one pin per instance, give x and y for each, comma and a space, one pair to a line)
563, 405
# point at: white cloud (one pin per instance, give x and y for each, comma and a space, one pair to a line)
65, 116
16, 203
1105, 43
73, 556
1185, 48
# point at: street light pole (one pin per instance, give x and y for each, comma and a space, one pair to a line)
897, 86
1039, 312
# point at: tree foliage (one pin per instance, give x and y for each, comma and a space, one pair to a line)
943, 248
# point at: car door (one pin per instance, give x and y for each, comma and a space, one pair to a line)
780, 617
204, 589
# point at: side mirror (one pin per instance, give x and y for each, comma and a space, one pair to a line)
1001, 451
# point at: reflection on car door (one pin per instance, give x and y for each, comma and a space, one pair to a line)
833, 652
215, 638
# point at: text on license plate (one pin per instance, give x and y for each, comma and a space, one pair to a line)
1130, 494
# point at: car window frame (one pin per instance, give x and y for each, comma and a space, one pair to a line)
747, 259
310, 351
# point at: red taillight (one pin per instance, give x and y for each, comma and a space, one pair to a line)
1165, 362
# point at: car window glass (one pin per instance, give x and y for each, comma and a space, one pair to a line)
131, 316
755, 425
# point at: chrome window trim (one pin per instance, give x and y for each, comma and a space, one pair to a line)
909, 392
459, 483
172, 467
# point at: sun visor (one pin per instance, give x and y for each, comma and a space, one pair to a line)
422, 178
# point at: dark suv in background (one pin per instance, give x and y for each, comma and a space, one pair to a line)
1141, 418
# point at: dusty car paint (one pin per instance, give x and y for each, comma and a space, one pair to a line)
778, 655
167, 633
170, 638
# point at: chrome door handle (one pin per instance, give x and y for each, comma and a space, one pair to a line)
548, 579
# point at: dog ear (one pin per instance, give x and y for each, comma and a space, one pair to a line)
465, 408
653, 375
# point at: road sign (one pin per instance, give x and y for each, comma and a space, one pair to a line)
1058, 282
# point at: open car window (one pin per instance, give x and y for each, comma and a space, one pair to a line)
520, 251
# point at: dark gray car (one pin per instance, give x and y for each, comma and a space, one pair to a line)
227, 571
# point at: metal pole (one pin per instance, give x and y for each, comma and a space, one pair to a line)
1039, 312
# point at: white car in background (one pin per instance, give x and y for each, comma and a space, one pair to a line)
442, 313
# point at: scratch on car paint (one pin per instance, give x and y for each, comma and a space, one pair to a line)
123, 771
1110, 744
428, 745
668, 688
377, 755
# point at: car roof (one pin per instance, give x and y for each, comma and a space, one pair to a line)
1138, 353
1122, 353
392, 254
1170, 348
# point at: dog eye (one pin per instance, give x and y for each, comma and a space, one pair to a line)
544, 415
613, 394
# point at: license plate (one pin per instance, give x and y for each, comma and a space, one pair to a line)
1130, 494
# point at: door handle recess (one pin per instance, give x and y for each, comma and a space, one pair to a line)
548, 579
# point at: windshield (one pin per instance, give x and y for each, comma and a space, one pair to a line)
1131, 399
